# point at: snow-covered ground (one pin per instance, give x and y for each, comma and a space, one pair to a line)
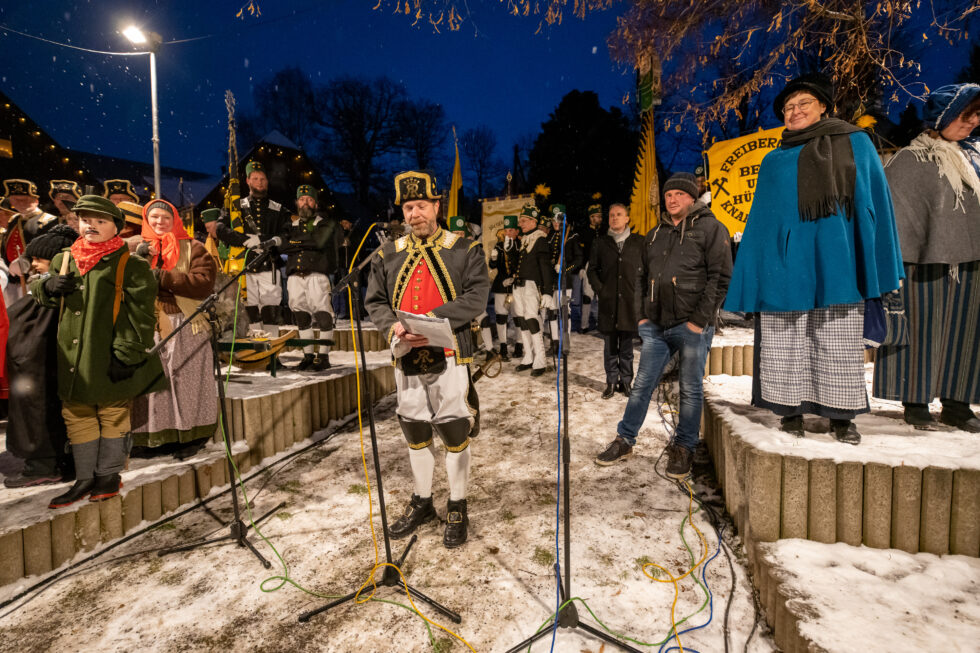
861, 599
501, 581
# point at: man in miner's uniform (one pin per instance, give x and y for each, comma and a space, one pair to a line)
503, 258
310, 244
262, 220
533, 285
434, 272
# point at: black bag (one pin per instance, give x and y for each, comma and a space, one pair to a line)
424, 360
896, 320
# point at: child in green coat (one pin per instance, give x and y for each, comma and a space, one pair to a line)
106, 305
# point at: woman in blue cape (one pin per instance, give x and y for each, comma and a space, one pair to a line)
819, 241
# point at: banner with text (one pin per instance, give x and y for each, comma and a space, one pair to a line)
494, 211
733, 168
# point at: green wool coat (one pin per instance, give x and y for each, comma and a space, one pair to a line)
86, 335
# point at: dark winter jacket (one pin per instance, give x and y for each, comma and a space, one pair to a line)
685, 270
534, 262
311, 246
260, 216
505, 265
614, 275
574, 257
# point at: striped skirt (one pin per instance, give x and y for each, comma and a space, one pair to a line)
942, 358
811, 362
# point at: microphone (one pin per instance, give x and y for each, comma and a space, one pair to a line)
275, 241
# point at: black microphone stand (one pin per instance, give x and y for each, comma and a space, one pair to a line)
567, 615
238, 530
390, 577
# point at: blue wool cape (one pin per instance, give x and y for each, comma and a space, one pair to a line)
787, 264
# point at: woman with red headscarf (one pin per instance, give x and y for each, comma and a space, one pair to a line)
181, 418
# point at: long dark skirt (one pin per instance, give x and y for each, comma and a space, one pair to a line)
942, 358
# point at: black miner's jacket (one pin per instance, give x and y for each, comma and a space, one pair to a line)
685, 270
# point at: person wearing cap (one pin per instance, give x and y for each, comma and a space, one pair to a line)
573, 259
25, 224
702, 181
534, 283
64, 193
613, 272
935, 185
503, 259
459, 225
819, 243
264, 221
35, 427
685, 267
181, 418
590, 234
217, 250
311, 247
105, 299
119, 190
433, 272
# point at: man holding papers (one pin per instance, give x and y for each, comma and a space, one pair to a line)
433, 272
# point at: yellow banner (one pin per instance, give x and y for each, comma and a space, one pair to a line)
733, 168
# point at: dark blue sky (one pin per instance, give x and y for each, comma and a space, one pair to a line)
494, 71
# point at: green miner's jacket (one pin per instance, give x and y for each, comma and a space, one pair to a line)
86, 334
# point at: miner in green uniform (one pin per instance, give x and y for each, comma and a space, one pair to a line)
105, 300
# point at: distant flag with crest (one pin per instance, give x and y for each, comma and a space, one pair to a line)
456, 183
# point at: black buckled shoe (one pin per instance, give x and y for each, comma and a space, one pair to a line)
678, 461
793, 425
418, 512
845, 431
105, 487
456, 523
76, 492
609, 391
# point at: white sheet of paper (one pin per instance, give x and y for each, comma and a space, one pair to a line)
436, 329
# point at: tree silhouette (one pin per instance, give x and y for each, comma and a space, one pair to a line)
423, 133
480, 159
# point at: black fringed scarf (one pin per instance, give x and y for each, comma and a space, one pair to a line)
825, 172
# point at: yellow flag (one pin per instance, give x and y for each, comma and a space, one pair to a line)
456, 184
733, 167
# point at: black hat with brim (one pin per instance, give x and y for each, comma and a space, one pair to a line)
816, 83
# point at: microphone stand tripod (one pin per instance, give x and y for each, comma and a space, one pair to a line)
390, 577
238, 529
567, 615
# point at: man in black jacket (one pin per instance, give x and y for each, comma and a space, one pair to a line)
533, 286
310, 244
589, 236
503, 259
686, 267
614, 268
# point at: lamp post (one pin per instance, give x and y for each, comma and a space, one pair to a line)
152, 41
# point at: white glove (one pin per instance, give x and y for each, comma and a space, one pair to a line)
252, 242
20, 266
737, 237
508, 282
494, 254
557, 268
508, 242
548, 303
399, 347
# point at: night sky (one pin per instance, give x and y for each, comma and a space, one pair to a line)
494, 71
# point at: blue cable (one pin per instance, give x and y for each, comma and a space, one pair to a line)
561, 342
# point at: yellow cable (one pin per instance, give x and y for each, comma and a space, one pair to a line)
671, 578
360, 426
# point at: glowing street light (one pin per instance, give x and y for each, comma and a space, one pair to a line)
137, 37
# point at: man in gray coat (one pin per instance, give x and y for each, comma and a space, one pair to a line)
438, 273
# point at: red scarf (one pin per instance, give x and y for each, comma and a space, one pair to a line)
167, 245
87, 254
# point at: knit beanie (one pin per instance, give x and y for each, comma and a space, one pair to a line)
51, 242
946, 103
684, 181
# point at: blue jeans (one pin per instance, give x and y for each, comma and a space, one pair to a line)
658, 346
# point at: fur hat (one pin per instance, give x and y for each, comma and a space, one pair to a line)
51, 242
816, 83
684, 181
946, 103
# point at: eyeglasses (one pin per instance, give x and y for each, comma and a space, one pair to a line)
802, 105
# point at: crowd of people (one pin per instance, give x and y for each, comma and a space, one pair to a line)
839, 253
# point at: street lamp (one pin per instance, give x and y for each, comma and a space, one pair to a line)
152, 41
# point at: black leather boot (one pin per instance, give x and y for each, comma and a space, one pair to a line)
609, 391
418, 512
305, 364
456, 523
105, 487
503, 352
76, 492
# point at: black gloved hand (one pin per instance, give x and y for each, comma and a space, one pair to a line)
60, 285
119, 371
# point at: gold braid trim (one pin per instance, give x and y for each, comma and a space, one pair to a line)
422, 445
465, 444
